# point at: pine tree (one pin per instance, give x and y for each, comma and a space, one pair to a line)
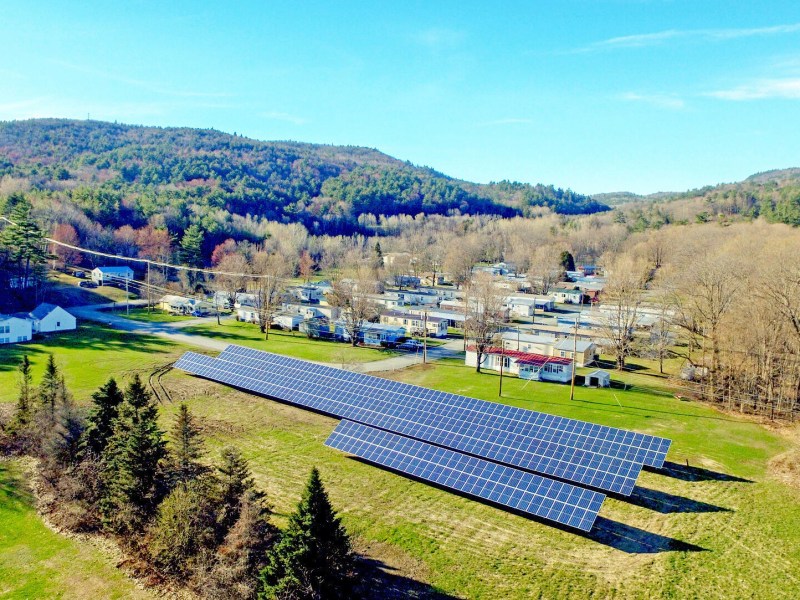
23, 412
186, 447
60, 447
105, 409
313, 558
48, 388
23, 243
235, 480
132, 462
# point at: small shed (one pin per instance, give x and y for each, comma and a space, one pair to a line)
598, 378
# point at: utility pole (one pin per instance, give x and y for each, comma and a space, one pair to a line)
424, 337
502, 364
574, 354
127, 298
149, 303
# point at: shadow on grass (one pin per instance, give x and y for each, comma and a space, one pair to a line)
86, 337
379, 581
633, 540
687, 473
666, 503
14, 495
605, 531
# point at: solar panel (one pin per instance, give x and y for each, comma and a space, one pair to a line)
528, 493
390, 412
611, 441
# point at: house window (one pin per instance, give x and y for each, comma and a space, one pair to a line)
21, 339
562, 354
58, 323
4, 340
506, 362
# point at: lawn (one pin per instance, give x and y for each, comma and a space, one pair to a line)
290, 343
87, 357
154, 316
723, 527
35, 562
66, 292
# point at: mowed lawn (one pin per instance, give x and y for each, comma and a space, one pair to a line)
87, 357
152, 316
36, 562
723, 527
726, 526
289, 343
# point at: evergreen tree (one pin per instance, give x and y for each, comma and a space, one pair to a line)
192, 246
48, 388
23, 244
313, 558
105, 409
132, 462
567, 261
186, 447
235, 480
60, 447
23, 413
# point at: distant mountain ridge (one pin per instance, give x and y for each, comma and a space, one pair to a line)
124, 174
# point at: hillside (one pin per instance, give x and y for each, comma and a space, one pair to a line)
121, 174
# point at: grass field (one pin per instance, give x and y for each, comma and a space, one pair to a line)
154, 316
87, 357
35, 562
725, 526
290, 343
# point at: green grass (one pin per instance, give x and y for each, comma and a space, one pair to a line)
87, 357
35, 562
66, 292
676, 538
154, 316
290, 343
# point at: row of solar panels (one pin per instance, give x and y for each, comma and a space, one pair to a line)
451, 427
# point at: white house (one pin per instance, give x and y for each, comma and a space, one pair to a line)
523, 364
106, 275
287, 321
549, 345
15, 329
567, 296
184, 306
521, 306
47, 318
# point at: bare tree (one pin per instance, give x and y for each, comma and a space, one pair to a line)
351, 295
622, 300
460, 258
268, 290
545, 268
484, 315
231, 285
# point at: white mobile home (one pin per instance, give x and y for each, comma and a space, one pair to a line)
15, 329
523, 364
414, 324
108, 275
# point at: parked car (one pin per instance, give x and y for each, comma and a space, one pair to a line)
87, 284
410, 345
79, 274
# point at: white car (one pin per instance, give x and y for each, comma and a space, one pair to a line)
410, 345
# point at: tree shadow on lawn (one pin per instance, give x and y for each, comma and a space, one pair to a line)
666, 503
86, 337
380, 581
14, 494
687, 473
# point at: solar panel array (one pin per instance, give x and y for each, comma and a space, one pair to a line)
389, 410
492, 451
612, 441
520, 490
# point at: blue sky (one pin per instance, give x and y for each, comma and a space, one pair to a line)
599, 95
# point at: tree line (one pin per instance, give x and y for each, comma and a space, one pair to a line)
181, 519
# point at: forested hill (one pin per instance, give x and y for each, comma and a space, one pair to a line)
122, 174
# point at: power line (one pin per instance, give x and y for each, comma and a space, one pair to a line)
147, 261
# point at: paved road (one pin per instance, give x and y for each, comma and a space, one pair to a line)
172, 330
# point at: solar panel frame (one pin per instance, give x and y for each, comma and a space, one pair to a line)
606, 473
628, 445
519, 490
